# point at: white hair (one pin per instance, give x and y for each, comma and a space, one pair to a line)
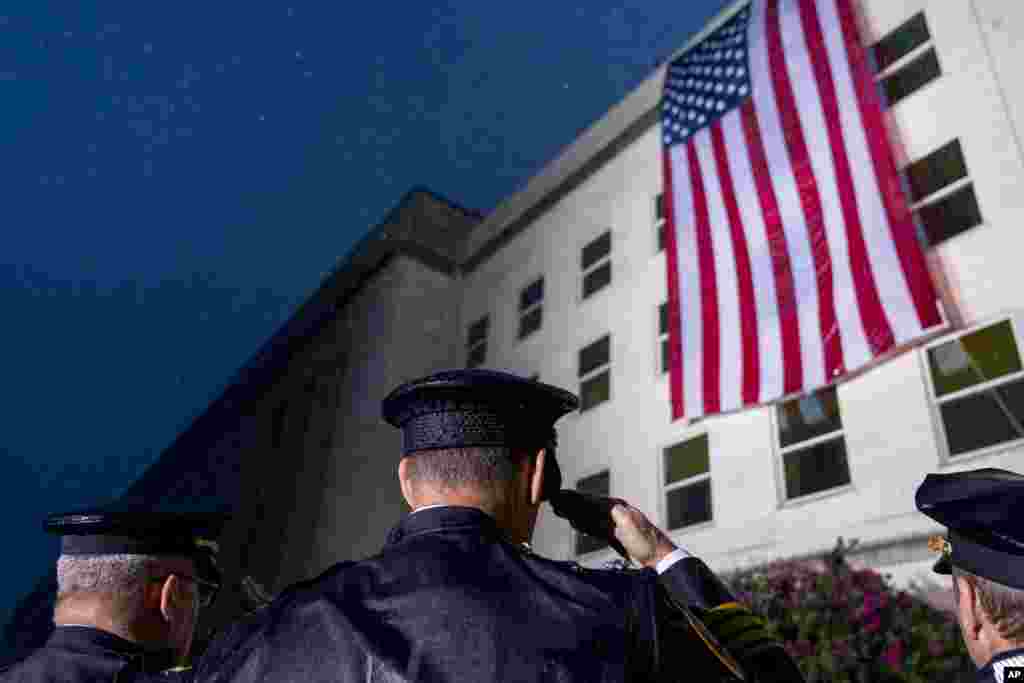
119, 575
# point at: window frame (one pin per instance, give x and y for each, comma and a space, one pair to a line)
536, 306
903, 62
660, 223
594, 372
596, 265
781, 452
661, 338
690, 431
575, 535
935, 402
915, 205
472, 346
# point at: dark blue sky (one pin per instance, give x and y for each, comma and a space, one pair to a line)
177, 177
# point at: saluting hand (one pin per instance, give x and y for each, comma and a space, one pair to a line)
645, 543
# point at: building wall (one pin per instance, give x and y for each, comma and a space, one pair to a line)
893, 431
399, 327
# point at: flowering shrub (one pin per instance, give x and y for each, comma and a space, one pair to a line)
846, 624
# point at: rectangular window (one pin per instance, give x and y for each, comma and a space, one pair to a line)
978, 387
531, 308
938, 169
278, 423
687, 482
599, 484
476, 343
911, 78
659, 220
906, 60
944, 200
950, 215
899, 43
663, 346
811, 444
595, 373
596, 263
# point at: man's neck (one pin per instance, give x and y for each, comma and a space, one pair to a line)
436, 501
93, 617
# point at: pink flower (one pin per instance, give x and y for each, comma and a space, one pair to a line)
872, 624
893, 655
840, 648
804, 648
936, 648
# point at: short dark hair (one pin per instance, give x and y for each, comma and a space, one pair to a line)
481, 466
1004, 605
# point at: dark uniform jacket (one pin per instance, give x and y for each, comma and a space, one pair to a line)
995, 671
80, 654
449, 599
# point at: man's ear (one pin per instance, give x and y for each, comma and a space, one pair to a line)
170, 596
537, 477
406, 483
968, 608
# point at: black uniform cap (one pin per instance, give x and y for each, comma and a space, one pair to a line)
108, 531
476, 407
983, 510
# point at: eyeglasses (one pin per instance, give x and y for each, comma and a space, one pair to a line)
207, 589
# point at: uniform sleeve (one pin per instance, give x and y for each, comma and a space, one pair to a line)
743, 635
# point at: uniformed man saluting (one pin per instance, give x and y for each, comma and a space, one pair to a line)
984, 553
455, 595
130, 585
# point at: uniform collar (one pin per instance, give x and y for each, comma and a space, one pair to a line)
993, 671
91, 639
442, 518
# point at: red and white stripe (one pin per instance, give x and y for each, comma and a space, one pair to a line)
792, 256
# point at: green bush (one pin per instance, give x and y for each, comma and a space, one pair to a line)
845, 624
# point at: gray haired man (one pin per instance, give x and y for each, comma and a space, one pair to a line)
130, 585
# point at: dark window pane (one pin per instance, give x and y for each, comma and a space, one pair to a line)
532, 294
809, 416
663, 318
659, 206
595, 355
599, 484
530, 323
689, 504
911, 78
913, 33
935, 171
596, 279
666, 355
820, 467
595, 391
977, 357
477, 356
597, 250
478, 330
950, 216
984, 419
686, 459
278, 423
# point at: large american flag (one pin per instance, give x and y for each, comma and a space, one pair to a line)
792, 255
